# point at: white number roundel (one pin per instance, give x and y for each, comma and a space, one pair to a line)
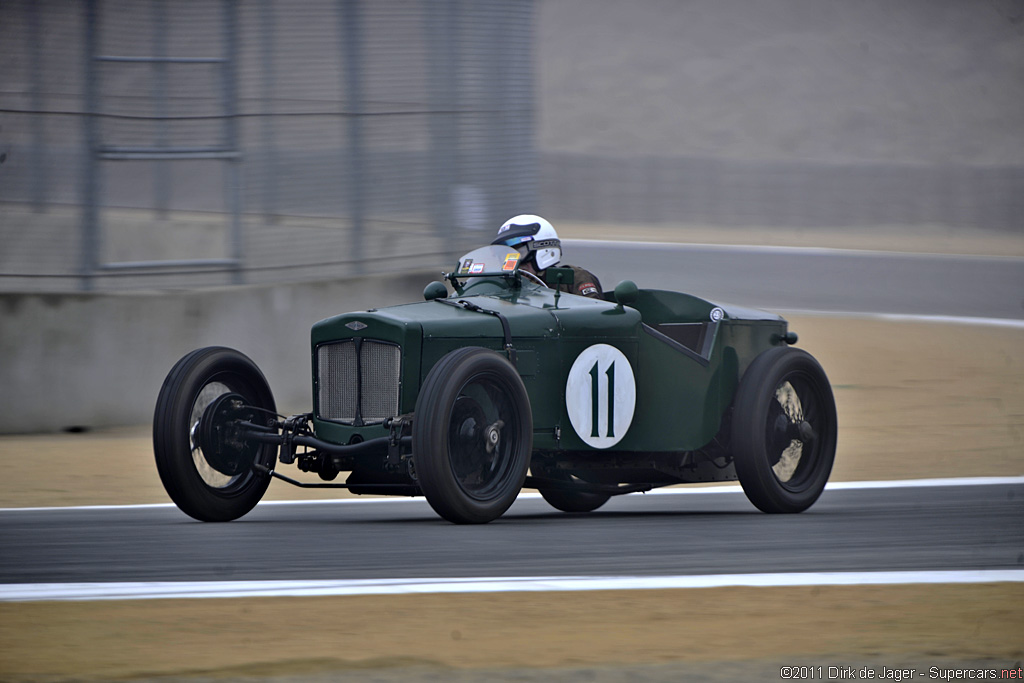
600, 395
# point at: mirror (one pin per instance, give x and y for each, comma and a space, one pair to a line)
559, 276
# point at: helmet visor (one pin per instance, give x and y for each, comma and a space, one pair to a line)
517, 234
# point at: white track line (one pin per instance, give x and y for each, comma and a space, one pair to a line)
1013, 323
918, 483
728, 488
253, 589
859, 485
781, 249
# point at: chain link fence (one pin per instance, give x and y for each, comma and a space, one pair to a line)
192, 143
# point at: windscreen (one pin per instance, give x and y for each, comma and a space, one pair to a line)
490, 259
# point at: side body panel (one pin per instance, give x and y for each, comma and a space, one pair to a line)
586, 323
683, 388
693, 353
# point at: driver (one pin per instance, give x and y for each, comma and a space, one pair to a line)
537, 241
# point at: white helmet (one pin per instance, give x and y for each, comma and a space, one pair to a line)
536, 235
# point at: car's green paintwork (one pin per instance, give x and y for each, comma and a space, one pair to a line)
681, 394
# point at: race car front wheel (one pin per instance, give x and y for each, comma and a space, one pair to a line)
784, 430
208, 476
472, 436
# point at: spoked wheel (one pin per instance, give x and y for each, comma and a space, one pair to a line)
571, 501
204, 466
472, 436
784, 430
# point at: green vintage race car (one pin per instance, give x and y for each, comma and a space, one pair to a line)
504, 383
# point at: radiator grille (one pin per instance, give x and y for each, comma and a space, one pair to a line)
358, 382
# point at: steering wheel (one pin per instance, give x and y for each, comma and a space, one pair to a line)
526, 272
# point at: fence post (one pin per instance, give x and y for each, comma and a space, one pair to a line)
352, 53
90, 164
233, 180
161, 174
269, 165
39, 148
442, 168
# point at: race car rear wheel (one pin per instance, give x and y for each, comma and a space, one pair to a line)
784, 430
472, 436
211, 479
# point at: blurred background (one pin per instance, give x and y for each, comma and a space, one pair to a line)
176, 174
212, 142
789, 113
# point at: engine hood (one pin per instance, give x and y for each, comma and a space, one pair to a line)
531, 312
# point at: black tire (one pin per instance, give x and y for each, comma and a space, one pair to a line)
784, 430
572, 501
470, 398
190, 479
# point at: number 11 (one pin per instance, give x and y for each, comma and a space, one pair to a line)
595, 399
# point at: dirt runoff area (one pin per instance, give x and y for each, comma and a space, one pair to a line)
915, 400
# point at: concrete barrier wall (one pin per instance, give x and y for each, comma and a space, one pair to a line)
792, 194
80, 360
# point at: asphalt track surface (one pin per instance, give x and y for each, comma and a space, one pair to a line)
919, 528
814, 279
